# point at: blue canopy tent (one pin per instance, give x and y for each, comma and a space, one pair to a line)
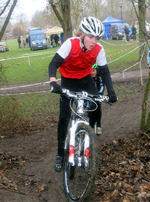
107, 24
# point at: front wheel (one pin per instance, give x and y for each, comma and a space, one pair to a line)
79, 179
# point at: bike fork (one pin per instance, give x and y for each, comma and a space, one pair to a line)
83, 150
72, 141
86, 150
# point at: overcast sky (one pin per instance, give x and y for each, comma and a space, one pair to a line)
28, 7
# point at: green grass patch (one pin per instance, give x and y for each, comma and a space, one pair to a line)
32, 66
35, 68
121, 55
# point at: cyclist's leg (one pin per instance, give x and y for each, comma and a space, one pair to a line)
92, 116
64, 118
95, 118
99, 115
62, 131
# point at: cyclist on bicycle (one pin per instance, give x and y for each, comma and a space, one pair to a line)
75, 59
96, 118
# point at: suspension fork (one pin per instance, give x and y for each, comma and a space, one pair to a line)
72, 140
74, 124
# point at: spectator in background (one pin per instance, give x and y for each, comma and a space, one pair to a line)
52, 40
19, 41
62, 37
134, 32
24, 43
27, 41
56, 38
111, 33
127, 31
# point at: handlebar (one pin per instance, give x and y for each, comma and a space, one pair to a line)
55, 88
85, 95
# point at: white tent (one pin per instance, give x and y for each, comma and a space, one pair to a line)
54, 30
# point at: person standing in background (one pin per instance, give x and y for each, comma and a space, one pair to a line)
134, 32
19, 41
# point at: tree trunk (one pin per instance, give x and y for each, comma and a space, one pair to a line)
142, 29
141, 16
65, 4
7, 19
65, 20
145, 122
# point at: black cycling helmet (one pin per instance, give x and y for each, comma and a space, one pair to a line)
92, 26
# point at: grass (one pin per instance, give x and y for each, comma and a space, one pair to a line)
35, 68
117, 57
26, 70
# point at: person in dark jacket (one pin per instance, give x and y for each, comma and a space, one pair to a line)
127, 32
19, 41
56, 38
134, 32
52, 41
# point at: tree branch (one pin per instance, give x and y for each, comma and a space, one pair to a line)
7, 3
53, 5
7, 19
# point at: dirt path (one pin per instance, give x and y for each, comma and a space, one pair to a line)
34, 179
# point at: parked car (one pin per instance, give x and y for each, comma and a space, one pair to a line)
118, 30
3, 47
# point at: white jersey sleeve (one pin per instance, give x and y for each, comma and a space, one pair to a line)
101, 58
65, 49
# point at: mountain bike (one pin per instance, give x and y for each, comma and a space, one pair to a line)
80, 159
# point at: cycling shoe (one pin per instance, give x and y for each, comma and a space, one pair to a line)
58, 163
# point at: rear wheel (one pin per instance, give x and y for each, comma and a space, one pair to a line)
79, 179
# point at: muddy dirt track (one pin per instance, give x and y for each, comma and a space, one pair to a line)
33, 178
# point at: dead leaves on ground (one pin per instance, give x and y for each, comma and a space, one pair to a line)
8, 162
124, 171
14, 182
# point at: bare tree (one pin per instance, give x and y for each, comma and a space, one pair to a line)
141, 15
62, 11
7, 18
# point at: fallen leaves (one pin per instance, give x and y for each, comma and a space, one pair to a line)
124, 171
7, 162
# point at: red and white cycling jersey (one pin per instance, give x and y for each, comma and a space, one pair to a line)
78, 63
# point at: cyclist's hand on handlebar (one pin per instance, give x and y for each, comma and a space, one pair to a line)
55, 88
112, 96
